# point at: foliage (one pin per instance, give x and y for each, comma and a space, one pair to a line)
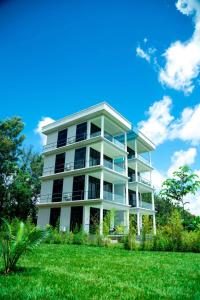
182, 183
16, 239
130, 238
79, 237
19, 172
146, 230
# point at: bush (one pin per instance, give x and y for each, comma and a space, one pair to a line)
17, 238
80, 237
130, 238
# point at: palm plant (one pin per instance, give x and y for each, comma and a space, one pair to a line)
17, 238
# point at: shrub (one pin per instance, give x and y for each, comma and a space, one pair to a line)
17, 238
161, 241
146, 229
174, 230
80, 237
130, 238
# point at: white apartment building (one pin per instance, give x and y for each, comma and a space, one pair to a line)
95, 162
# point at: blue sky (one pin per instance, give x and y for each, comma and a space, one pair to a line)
57, 57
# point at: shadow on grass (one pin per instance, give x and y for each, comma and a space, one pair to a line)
24, 270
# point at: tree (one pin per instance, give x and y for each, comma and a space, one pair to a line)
19, 172
183, 182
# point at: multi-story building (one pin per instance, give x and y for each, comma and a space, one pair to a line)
95, 162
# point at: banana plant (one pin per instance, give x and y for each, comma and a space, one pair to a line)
17, 238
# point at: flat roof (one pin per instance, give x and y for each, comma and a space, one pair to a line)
92, 111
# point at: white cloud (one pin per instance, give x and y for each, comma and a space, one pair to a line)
45, 121
156, 126
157, 179
181, 158
187, 127
183, 59
141, 53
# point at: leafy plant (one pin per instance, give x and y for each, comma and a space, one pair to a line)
17, 238
130, 238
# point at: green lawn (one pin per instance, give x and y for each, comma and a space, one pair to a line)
81, 272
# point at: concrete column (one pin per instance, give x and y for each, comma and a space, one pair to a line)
101, 220
154, 224
65, 218
137, 197
135, 148
112, 220
138, 223
136, 171
152, 200
113, 192
102, 153
102, 125
150, 158
126, 165
126, 221
101, 184
43, 217
87, 157
125, 141
86, 218
86, 186
88, 129
126, 193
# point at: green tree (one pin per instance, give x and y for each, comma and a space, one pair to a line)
183, 182
19, 172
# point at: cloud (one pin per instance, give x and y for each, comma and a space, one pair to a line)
141, 53
183, 58
181, 158
157, 179
156, 127
43, 122
187, 127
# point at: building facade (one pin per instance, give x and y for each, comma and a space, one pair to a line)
94, 162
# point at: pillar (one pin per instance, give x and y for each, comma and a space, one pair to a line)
86, 218
126, 220
154, 224
101, 220
138, 223
102, 125
65, 215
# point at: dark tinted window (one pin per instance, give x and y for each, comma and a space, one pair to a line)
62, 138
108, 162
132, 198
107, 188
76, 219
95, 130
94, 157
79, 160
94, 188
78, 187
131, 153
60, 163
54, 216
81, 132
57, 190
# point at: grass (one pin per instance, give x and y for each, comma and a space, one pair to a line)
81, 272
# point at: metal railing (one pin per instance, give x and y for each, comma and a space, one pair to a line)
142, 204
140, 179
79, 195
140, 157
70, 140
81, 137
80, 164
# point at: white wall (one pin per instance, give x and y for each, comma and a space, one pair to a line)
43, 217
65, 218
49, 161
52, 137
68, 184
69, 156
71, 132
46, 188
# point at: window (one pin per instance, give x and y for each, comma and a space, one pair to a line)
60, 163
76, 219
132, 198
108, 162
95, 130
107, 190
62, 138
57, 190
78, 187
79, 159
94, 157
131, 153
94, 188
81, 132
54, 216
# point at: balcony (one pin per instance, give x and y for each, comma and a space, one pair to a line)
141, 158
82, 137
80, 195
142, 204
140, 180
81, 164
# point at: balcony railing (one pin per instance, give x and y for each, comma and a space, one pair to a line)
80, 195
80, 164
140, 157
82, 137
140, 179
142, 204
